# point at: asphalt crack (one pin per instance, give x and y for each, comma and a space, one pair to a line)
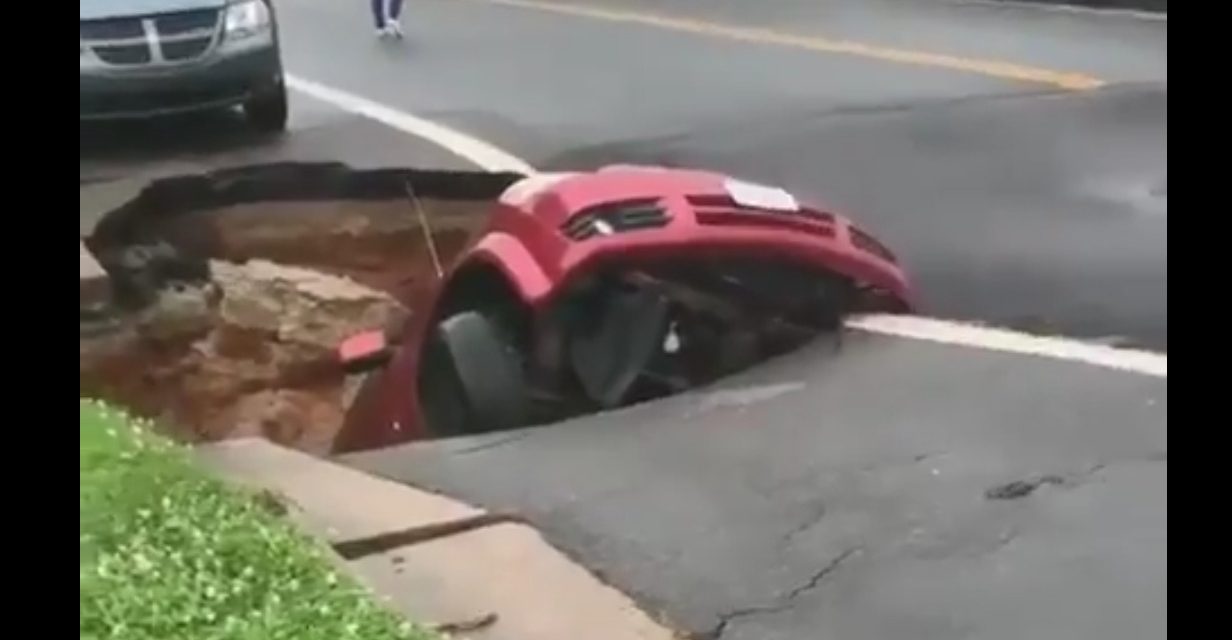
1022, 488
1004, 540
492, 444
785, 601
381, 543
819, 512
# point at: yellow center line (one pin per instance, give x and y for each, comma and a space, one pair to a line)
992, 68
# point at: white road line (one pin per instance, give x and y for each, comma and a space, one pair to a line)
948, 332
484, 155
1136, 14
491, 158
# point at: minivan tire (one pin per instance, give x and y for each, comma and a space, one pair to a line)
266, 111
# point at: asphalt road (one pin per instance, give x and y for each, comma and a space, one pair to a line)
852, 494
875, 492
1013, 199
885, 489
317, 132
117, 160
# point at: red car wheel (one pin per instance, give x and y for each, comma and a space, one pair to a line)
471, 378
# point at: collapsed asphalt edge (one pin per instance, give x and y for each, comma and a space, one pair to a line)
285, 182
308, 181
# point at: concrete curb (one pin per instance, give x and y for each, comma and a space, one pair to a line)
455, 562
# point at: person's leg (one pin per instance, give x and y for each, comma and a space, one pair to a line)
392, 13
378, 13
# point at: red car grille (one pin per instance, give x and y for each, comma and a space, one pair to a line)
615, 217
722, 210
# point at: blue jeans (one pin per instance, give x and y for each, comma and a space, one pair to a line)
382, 9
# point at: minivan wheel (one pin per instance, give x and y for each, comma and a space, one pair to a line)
266, 110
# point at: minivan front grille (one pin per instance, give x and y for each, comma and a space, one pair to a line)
185, 49
123, 54
171, 37
112, 29
174, 23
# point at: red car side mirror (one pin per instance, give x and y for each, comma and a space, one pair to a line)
364, 352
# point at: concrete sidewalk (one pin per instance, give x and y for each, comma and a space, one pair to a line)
461, 564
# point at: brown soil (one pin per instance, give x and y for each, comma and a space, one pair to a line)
378, 244
249, 350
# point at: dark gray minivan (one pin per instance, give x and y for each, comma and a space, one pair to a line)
143, 58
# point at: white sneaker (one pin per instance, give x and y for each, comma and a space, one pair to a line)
382, 33
394, 28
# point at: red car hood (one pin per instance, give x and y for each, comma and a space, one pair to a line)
553, 197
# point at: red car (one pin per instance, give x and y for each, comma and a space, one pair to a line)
588, 291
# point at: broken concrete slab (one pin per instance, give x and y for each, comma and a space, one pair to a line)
506, 577
246, 351
335, 502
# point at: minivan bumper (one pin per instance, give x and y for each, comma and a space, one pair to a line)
216, 82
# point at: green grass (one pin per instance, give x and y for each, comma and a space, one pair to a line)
168, 552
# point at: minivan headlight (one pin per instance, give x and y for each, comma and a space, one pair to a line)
246, 18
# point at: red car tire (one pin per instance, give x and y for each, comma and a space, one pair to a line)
472, 379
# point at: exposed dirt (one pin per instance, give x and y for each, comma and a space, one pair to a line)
234, 289
378, 244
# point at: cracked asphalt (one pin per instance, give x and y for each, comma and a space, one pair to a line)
880, 489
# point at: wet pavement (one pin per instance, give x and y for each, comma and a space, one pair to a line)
118, 159
887, 489
1015, 203
1045, 213
890, 488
